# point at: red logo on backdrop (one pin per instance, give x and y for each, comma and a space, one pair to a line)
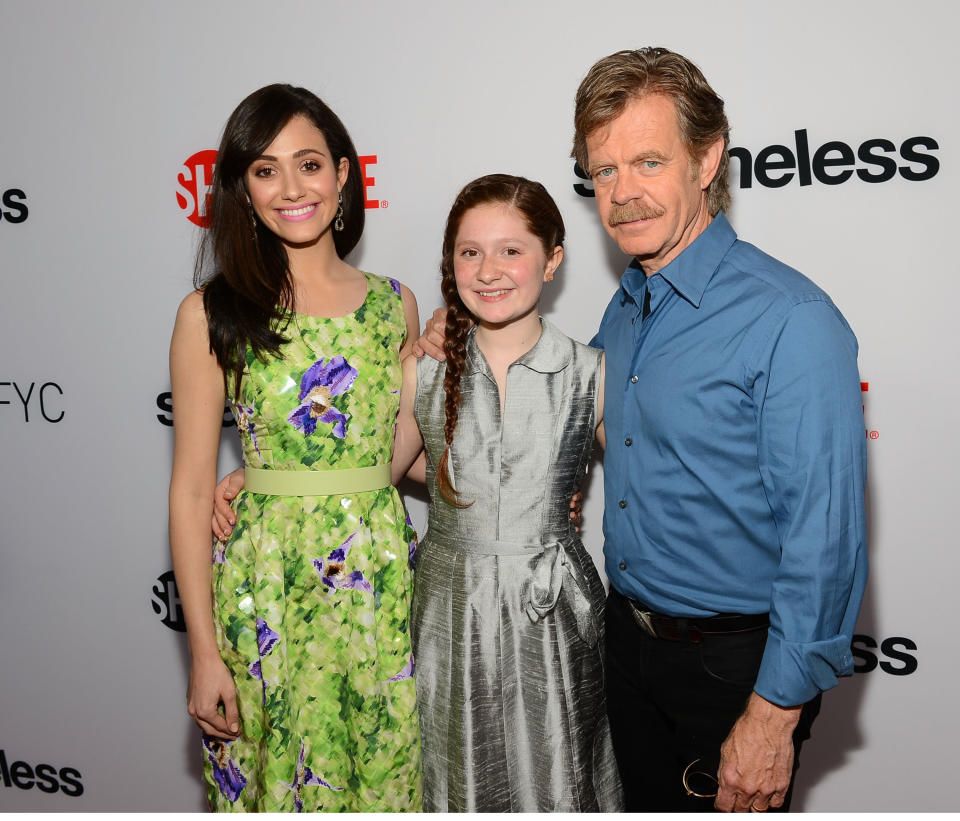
194, 183
368, 182
871, 434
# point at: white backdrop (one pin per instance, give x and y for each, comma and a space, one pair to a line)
105, 101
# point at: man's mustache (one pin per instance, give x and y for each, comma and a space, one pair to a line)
629, 213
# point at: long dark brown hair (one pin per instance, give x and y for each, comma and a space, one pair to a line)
542, 217
248, 297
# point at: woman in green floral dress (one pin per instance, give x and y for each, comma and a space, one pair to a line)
302, 674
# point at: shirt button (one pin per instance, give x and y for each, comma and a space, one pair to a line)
634, 379
623, 565
628, 441
623, 504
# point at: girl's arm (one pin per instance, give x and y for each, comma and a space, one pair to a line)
407, 440
412, 317
198, 396
601, 432
418, 472
223, 515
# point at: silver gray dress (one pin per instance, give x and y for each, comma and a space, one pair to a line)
508, 607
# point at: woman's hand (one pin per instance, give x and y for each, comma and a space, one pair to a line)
211, 686
223, 516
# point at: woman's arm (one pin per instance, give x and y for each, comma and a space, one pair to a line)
198, 395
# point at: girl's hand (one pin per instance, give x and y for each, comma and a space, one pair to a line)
433, 336
211, 686
576, 510
223, 516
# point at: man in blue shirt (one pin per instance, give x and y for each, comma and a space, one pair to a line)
735, 461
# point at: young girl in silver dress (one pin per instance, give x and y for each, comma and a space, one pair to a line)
508, 607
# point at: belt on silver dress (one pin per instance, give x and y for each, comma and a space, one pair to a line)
553, 573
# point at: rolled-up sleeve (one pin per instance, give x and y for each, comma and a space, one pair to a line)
812, 461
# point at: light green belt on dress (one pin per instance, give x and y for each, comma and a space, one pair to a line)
316, 482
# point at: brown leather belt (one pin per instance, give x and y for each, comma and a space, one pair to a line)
659, 626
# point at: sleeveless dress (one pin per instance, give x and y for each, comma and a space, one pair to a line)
508, 606
312, 593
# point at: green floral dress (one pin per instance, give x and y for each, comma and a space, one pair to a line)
312, 593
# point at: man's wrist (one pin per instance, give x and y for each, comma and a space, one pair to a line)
781, 718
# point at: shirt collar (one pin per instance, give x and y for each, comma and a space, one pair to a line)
548, 355
691, 271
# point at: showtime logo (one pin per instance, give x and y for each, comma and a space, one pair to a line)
165, 601
196, 179
194, 184
165, 404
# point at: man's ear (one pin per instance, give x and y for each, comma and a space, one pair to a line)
710, 162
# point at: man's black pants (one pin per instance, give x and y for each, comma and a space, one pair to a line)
671, 702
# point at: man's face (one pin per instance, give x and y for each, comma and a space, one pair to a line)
650, 195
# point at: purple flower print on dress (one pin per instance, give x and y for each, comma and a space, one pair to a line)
395, 285
321, 382
406, 672
219, 552
266, 639
333, 571
244, 417
304, 777
226, 773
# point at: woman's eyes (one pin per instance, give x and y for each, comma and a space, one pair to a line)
307, 166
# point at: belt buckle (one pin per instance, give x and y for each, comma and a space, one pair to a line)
643, 620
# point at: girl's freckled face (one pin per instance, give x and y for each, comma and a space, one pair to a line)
500, 265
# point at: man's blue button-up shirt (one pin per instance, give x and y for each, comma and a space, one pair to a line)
736, 457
